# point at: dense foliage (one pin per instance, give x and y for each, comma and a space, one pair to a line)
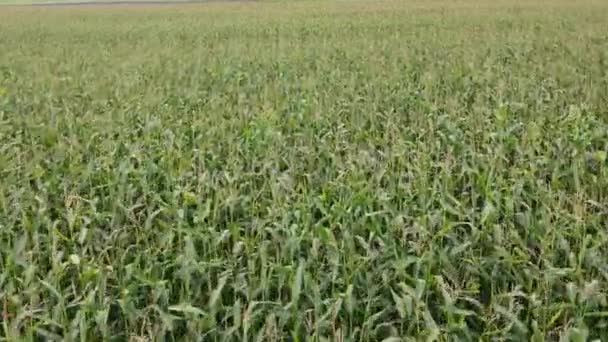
316, 171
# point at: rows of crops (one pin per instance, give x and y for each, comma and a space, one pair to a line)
306, 171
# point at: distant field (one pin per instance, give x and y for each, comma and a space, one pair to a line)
306, 171
106, 2
8, 3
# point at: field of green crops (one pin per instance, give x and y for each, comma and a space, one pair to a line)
307, 171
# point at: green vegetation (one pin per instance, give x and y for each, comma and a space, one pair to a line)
306, 171
73, 2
